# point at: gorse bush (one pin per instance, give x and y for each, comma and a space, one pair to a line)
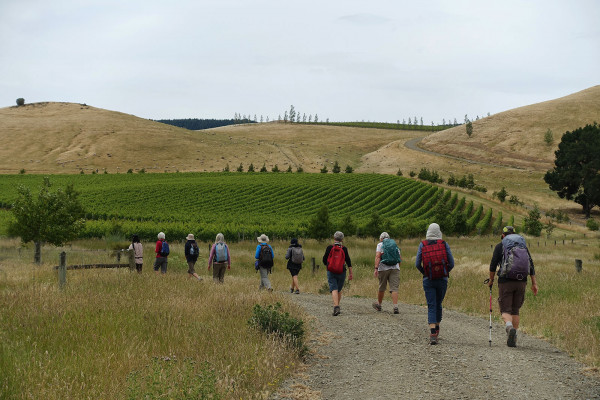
272, 320
592, 224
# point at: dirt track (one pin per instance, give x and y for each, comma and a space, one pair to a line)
364, 354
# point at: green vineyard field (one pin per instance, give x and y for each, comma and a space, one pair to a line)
241, 205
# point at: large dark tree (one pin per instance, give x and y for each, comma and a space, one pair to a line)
576, 173
51, 217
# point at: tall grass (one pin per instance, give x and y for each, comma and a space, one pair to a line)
117, 334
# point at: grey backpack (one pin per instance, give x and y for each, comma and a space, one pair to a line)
297, 255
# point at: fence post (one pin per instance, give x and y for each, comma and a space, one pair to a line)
62, 270
314, 268
131, 259
578, 265
118, 256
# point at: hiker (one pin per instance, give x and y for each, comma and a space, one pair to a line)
387, 269
162, 252
191, 252
264, 261
138, 253
434, 261
295, 257
219, 258
336, 258
514, 259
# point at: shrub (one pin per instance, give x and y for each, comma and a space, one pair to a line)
226, 169
324, 169
130, 171
289, 169
251, 168
548, 137
299, 170
592, 224
264, 168
515, 200
275, 168
412, 174
501, 195
20, 101
22, 171
143, 170
349, 169
532, 224
399, 173
273, 321
240, 168
336, 168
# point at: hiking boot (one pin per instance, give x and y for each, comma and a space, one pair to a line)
396, 310
512, 338
336, 310
291, 290
437, 331
377, 306
432, 339
297, 291
270, 290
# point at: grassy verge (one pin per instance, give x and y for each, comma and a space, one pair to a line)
116, 334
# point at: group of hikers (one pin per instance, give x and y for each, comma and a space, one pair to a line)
511, 262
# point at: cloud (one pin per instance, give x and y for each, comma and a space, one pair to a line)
365, 19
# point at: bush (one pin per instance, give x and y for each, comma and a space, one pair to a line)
264, 168
22, 171
251, 168
532, 224
336, 168
349, 169
592, 224
275, 168
143, 170
240, 168
412, 174
272, 320
399, 173
129, 171
324, 169
20, 101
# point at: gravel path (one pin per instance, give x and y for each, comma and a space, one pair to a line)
365, 354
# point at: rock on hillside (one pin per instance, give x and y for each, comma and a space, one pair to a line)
516, 137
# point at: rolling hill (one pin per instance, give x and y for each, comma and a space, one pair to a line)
515, 138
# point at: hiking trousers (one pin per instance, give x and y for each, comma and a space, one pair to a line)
219, 272
435, 291
265, 283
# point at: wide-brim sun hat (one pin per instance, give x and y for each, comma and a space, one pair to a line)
263, 238
190, 237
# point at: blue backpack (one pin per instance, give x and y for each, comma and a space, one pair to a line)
164, 250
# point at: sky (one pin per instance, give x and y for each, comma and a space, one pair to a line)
343, 60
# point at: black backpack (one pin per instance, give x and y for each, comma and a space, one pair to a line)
265, 257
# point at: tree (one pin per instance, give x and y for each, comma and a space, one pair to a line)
336, 168
264, 168
52, 217
251, 168
20, 101
319, 227
240, 168
292, 114
348, 226
548, 137
532, 224
316, 118
324, 169
576, 173
469, 128
501, 195
349, 169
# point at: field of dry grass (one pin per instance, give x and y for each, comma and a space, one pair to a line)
516, 137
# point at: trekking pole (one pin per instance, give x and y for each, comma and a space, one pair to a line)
486, 282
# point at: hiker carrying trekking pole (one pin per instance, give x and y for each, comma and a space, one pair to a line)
515, 262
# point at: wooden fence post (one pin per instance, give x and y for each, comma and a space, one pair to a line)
314, 268
62, 270
578, 265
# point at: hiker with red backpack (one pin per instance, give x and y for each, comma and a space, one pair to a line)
434, 261
162, 252
295, 257
264, 256
387, 269
219, 258
514, 259
336, 258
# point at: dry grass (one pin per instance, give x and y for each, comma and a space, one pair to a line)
516, 137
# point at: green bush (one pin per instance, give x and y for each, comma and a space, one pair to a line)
272, 320
592, 224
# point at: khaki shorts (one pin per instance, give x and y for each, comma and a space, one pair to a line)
511, 296
392, 276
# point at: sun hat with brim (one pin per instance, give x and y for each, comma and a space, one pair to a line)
263, 238
190, 237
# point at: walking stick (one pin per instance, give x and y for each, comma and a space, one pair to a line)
486, 282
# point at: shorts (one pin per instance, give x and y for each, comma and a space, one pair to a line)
511, 295
161, 262
294, 271
336, 281
191, 270
392, 276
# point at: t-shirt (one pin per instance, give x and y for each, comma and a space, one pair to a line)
382, 266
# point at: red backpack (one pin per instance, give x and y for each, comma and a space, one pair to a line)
336, 260
435, 259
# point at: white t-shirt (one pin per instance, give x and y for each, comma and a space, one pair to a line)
382, 266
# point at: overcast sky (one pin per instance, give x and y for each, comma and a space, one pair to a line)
345, 60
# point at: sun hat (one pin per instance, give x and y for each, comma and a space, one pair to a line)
190, 237
507, 230
263, 238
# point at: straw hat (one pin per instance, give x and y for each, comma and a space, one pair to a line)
190, 237
263, 238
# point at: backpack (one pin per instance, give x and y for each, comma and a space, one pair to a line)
297, 255
336, 260
265, 257
515, 258
194, 251
220, 252
435, 259
164, 250
391, 253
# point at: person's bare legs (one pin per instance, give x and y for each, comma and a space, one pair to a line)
336, 296
295, 282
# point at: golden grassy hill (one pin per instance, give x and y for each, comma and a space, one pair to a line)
68, 138
516, 137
